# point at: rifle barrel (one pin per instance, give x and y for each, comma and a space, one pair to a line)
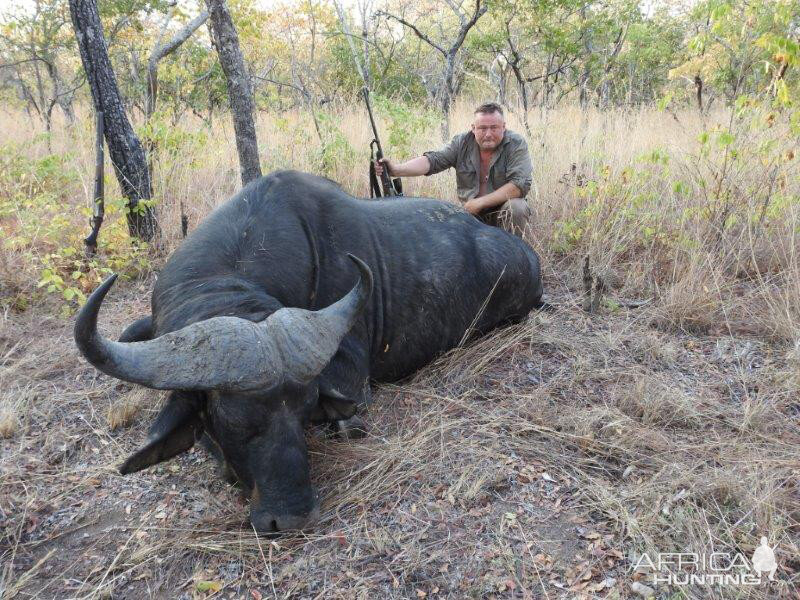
372, 122
389, 187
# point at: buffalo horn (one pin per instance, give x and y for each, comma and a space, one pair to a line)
226, 353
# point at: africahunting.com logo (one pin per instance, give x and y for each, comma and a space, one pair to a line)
716, 568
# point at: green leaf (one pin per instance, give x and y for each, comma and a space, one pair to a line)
208, 586
680, 188
665, 100
782, 93
725, 139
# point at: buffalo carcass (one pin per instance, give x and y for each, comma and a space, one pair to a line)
261, 323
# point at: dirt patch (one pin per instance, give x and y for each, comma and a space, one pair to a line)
537, 462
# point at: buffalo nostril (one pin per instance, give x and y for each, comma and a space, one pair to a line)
292, 523
264, 523
267, 523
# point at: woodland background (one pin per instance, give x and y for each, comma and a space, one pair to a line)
541, 461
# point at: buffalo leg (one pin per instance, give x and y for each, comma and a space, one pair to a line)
348, 374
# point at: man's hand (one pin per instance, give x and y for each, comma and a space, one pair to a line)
379, 166
410, 168
493, 200
474, 206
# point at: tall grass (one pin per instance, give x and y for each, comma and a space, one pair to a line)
698, 213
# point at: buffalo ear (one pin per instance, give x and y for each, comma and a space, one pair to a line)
176, 428
335, 405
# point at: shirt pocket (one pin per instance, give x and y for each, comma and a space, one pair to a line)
466, 182
499, 175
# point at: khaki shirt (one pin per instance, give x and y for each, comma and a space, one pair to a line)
510, 162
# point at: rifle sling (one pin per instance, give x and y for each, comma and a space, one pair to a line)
374, 186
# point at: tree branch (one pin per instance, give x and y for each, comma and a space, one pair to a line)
457, 10
558, 69
413, 28
162, 50
21, 62
465, 27
180, 37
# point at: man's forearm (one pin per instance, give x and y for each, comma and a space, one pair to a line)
499, 196
411, 168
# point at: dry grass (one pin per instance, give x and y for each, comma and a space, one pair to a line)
537, 462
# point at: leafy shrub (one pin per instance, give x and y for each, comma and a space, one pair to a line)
336, 153
405, 123
38, 221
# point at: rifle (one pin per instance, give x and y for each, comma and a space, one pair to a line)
391, 187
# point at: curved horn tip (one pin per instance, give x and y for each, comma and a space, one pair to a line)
366, 272
99, 293
109, 281
85, 322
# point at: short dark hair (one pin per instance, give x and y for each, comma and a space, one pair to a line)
488, 108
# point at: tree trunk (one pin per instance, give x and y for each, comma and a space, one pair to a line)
698, 83
124, 148
446, 91
498, 77
240, 94
62, 96
523, 92
366, 7
588, 51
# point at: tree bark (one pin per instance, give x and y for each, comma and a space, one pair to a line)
515, 64
124, 148
60, 94
698, 84
240, 93
523, 91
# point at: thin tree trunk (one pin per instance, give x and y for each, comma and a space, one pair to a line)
523, 92
446, 90
497, 75
240, 94
698, 83
124, 148
588, 50
62, 96
365, 8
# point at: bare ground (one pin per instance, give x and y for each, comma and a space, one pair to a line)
538, 462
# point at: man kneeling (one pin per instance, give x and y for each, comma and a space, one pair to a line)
493, 170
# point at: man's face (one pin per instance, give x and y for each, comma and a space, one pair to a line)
488, 129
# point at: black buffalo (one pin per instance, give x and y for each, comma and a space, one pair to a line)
261, 323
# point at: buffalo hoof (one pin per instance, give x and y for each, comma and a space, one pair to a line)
227, 474
353, 428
